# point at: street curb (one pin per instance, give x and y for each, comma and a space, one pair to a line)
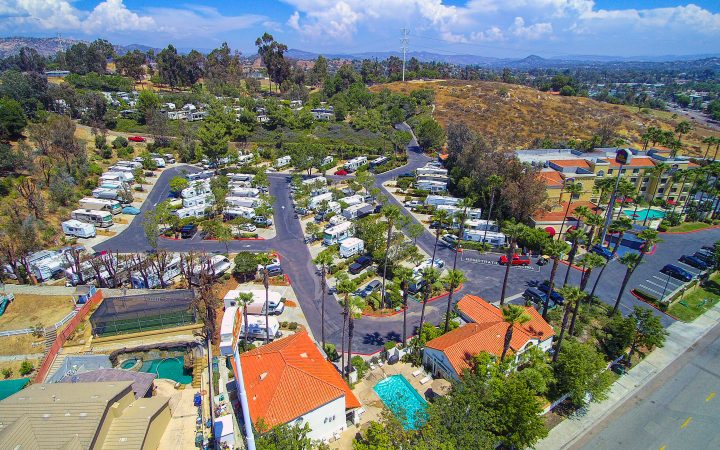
632, 291
713, 227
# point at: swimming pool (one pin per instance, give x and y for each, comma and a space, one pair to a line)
171, 368
128, 363
640, 214
402, 399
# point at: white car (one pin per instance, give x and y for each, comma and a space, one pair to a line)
413, 204
439, 264
249, 227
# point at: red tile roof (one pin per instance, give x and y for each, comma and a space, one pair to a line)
579, 162
636, 161
290, 377
486, 333
551, 178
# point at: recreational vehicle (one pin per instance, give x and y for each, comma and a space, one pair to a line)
355, 211
205, 200
245, 159
153, 280
257, 307
227, 327
244, 192
352, 200
491, 237
378, 161
437, 200
355, 163
102, 219
107, 194
256, 328
99, 204
192, 211
281, 162
196, 189
338, 233
45, 264
316, 201
246, 202
204, 175
351, 246
78, 229
336, 220
232, 212
456, 211
117, 176
131, 164
482, 225
241, 177
319, 181
431, 185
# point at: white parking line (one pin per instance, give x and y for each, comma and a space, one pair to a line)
669, 280
649, 289
655, 284
689, 268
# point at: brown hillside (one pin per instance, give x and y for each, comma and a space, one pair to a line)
514, 116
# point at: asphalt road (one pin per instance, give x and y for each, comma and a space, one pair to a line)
679, 409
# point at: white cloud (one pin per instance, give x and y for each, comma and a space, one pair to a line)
491, 34
532, 32
113, 15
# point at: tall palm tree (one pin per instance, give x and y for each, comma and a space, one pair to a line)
625, 189
556, 250
265, 260
512, 231
710, 141
657, 172
511, 315
603, 187
453, 279
345, 286
684, 127
324, 259
244, 299
392, 215
588, 262
405, 276
576, 236
630, 261
493, 182
441, 217
355, 308
593, 221
620, 226
430, 275
687, 174
717, 148
574, 189
572, 295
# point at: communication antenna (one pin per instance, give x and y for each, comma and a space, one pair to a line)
404, 42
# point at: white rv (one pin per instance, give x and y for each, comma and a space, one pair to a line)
256, 328
352, 200
351, 246
338, 233
316, 201
196, 189
232, 212
245, 159
257, 307
153, 280
127, 177
282, 161
227, 328
354, 211
456, 211
336, 220
193, 211
206, 200
241, 176
437, 200
204, 175
320, 181
431, 185
102, 219
246, 202
244, 192
99, 204
46, 263
78, 229
106, 194
131, 164
491, 237
482, 225
355, 163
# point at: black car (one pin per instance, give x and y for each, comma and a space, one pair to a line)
417, 287
693, 261
677, 272
535, 295
360, 264
558, 299
188, 231
274, 270
704, 256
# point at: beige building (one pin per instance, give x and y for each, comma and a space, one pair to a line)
75, 416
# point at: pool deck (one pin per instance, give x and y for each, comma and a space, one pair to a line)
372, 403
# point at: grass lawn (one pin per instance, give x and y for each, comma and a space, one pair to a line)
35, 310
690, 226
697, 300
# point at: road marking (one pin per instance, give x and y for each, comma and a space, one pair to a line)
649, 289
687, 421
710, 397
655, 284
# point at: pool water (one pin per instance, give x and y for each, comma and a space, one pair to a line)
402, 399
641, 214
171, 368
128, 363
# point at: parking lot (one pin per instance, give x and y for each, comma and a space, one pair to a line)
492, 259
662, 285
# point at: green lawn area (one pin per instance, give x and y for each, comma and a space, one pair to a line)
690, 226
697, 300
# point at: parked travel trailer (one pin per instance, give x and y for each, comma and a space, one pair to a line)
333, 207
204, 175
79, 229
232, 212
240, 176
126, 177
352, 200
482, 225
46, 263
107, 194
355, 163
244, 192
431, 171
282, 161
326, 160
431, 185
206, 200
336, 220
316, 201
320, 181
247, 202
351, 246
227, 327
257, 307
219, 264
112, 184
102, 219
245, 159
196, 189
338, 233
131, 164
256, 328
456, 211
493, 237
153, 280
121, 169
192, 211
99, 204
437, 200
239, 184
378, 161
355, 211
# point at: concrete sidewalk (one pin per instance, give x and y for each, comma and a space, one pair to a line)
682, 336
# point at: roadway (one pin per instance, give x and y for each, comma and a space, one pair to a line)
678, 409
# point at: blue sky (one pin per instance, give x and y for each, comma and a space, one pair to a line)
501, 28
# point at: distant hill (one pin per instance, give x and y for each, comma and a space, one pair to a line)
44, 46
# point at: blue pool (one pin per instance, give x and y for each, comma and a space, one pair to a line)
651, 214
402, 399
171, 368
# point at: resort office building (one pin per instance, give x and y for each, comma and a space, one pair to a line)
560, 167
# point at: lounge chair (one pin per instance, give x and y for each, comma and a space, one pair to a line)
426, 379
417, 372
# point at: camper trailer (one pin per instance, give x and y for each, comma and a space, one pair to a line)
437, 200
232, 212
491, 237
227, 327
197, 176
351, 246
256, 328
352, 200
356, 211
338, 233
319, 181
192, 211
378, 162
78, 229
245, 159
99, 204
316, 201
336, 220
282, 161
101, 219
196, 189
205, 200
46, 263
456, 211
244, 192
239, 184
131, 164
481, 225
257, 307
117, 176
153, 280
241, 177
355, 163
246, 202
431, 186
107, 194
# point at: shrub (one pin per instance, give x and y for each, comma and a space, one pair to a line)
26, 367
7, 373
119, 142
292, 326
331, 352
360, 366
284, 324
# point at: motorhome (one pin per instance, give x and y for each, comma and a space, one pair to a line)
338, 233
121, 169
355, 211
227, 328
46, 263
204, 175
206, 200
107, 194
257, 307
327, 160
317, 201
378, 161
239, 184
336, 220
333, 207
101, 219
256, 328
240, 176
196, 189
431, 186
232, 212
218, 265
126, 177
282, 161
99, 204
352, 200
482, 225
491, 237
431, 171
245, 159
315, 181
246, 202
355, 163
131, 164
192, 211
351, 246
456, 211
112, 184
244, 192
172, 269
78, 229
437, 200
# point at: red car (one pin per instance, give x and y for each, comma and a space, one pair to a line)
341, 172
136, 139
517, 260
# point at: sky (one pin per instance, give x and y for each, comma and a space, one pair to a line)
497, 28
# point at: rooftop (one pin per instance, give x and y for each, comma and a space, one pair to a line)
141, 382
557, 213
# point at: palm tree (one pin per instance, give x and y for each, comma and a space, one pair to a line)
603, 186
657, 172
264, 259
717, 148
453, 278
620, 226
512, 232
345, 286
687, 173
511, 315
493, 182
355, 308
572, 295
405, 276
588, 262
631, 261
593, 221
576, 236
441, 217
556, 250
430, 275
574, 189
710, 141
683, 127
625, 189
324, 260
244, 299
392, 215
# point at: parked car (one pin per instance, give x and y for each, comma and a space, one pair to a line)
131, 210
413, 204
369, 289
188, 231
517, 260
535, 295
602, 251
677, 272
262, 221
360, 264
435, 225
341, 172
449, 239
136, 139
555, 296
693, 261
705, 256
274, 270
417, 286
407, 175
169, 158
249, 227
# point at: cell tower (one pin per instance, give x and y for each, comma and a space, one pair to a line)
404, 41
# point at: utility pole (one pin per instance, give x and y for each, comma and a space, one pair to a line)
404, 42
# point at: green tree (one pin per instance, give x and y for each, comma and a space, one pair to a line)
392, 216
580, 370
405, 277
355, 309
246, 265
430, 275
324, 259
452, 279
177, 184
26, 367
630, 261
345, 286
556, 250
12, 119
283, 437
620, 226
574, 190
414, 230
575, 236
648, 331
265, 259
148, 103
572, 295
511, 315
214, 140
512, 231
430, 134
272, 54
684, 127
588, 262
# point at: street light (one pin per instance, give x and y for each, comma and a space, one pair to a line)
622, 157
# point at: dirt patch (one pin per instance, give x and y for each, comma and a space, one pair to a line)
28, 311
14, 366
21, 344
